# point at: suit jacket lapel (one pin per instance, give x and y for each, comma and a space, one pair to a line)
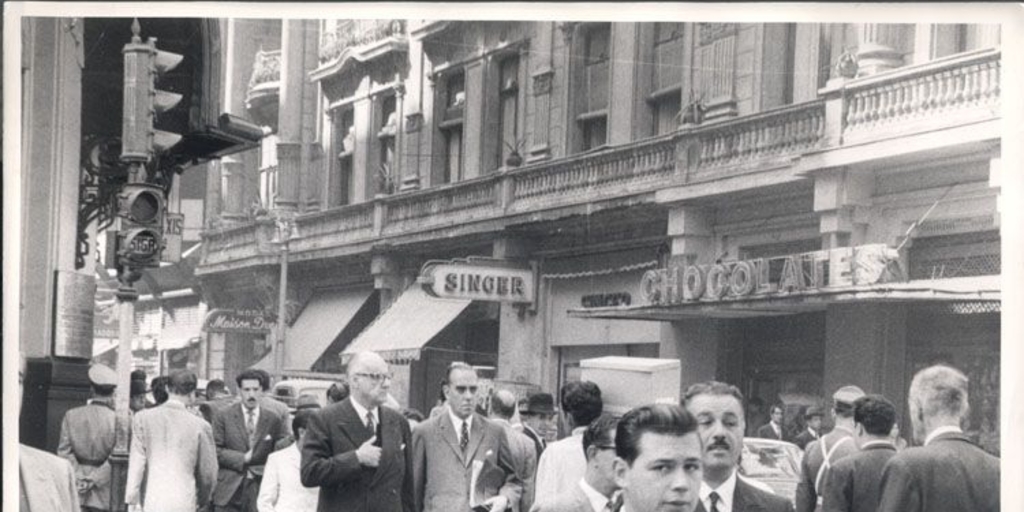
238, 413
351, 425
387, 426
742, 497
449, 435
476, 435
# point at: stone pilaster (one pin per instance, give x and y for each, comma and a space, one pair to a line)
878, 47
841, 199
692, 233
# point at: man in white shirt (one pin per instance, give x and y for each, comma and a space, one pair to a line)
564, 462
595, 492
718, 408
282, 489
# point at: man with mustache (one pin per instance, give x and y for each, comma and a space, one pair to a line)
718, 408
245, 434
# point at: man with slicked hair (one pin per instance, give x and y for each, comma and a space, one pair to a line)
357, 451
524, 457
949, 473
562, 464
854, 483
595, 492
718, 408
658, 462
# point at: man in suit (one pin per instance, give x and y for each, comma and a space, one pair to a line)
46, 482
594, 492
524, 456
563, 462
718, 408
452, 447
245, 434
538, 417
172, 466
822, 454
948, 473
658, 459
87, 438
854, 483
773, 429
358, 452
812, 417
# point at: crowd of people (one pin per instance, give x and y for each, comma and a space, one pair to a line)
360, 453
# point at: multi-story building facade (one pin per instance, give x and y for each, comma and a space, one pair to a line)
600, 151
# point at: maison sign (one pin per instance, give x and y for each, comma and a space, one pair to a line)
783, 275
250, 321
479, 278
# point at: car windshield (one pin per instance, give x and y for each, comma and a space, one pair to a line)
770, 460
319, 393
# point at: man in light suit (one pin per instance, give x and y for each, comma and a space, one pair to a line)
46, 481
503, 406
358, 452
596, 490
854, 483
563, 462
451, 447
718, 408
87, 439
172, 466
948, 473
245, 434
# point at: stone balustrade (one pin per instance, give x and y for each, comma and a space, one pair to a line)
266, 68
783, 131
355, 33
952, 90
461, 202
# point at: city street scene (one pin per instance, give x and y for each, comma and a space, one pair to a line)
393, 264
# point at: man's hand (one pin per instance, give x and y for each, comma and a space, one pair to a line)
368, 454
248, 456
496, 503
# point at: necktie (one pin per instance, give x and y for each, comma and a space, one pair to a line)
250, 426
369, 423
714, 501
464, 440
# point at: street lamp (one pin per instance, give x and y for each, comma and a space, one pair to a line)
286, 231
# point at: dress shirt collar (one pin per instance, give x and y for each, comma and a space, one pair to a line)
878, 442
173, 403
814, 433
725, 493
776, 428
948, 429
255, 411
596, 499
457, 422
361, 412
578, 431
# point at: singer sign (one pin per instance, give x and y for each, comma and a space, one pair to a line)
479, 279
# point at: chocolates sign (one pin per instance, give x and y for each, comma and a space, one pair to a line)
783, 275
251, 321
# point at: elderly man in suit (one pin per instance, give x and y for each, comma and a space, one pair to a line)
503, 406
460, 459
718, 408
812, 432
357, 451
596, 490
245, 434
821, 455
854, 483
948, 473
46, 481
773, 429
87, 438
172, 466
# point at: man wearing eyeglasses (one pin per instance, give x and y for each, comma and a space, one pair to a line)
596, 491
358, 452
461, 460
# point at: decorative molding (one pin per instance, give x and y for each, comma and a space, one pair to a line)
542, 82
413, 122
708, 33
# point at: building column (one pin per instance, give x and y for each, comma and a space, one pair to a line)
387, 277
289, 146
622, 108
877, 47
841, 199
239, 173
520, 329
866, 345
692, 233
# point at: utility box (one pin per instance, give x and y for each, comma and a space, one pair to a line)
628, 382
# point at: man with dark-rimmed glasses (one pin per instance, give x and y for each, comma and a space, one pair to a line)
596, 491
358, 452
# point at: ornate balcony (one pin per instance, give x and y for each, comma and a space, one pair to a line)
264, 87
360, 37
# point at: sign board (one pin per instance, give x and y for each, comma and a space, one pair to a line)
250, 321
479, 279
800, 273
73, 316
174, 229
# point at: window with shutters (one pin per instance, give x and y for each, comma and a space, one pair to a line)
345, 142
508, 109
454, 101
592, 103
665, 98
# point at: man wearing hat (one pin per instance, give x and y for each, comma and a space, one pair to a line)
87, 438
823, 453
812, 417
538, 418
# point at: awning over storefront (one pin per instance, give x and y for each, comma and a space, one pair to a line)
401, 331
966, 289
321, 321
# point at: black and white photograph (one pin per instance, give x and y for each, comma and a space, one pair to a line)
633, 257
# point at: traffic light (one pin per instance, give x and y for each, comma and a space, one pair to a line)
141, 210
143, 64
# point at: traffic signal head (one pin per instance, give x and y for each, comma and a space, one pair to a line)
141, 211
143, 64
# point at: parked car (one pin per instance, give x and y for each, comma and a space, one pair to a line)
288, 391
772, 462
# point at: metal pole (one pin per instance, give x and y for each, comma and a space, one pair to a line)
281, 299
126, 297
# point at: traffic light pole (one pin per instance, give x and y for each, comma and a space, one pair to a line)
281, 310
126, 297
